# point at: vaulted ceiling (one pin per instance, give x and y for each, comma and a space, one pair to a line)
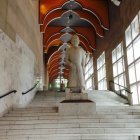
60, 19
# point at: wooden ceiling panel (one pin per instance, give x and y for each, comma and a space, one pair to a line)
51, 31
99, 8
46, 6
89, 21
54, 43
93, 20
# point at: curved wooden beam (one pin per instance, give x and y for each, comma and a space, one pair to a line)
56, 42
83, 41
90, 18
50, 31
50, 52
98, 7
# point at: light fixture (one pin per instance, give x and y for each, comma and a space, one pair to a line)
70, 16
116, 2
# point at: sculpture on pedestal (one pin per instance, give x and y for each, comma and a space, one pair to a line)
75, 59
76, 100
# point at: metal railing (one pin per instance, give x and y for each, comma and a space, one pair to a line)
120, 90
8, 93
23, 93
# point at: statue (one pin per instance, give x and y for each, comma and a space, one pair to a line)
75, 59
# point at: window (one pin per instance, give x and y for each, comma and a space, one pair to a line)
132, 36
101, 72
89, 73
118, 68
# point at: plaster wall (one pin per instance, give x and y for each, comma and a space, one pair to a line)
21, 17
17, 70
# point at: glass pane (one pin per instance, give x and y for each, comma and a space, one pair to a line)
91, 62
90, 71
117, 82
86, 69
99, 86
138, 70
104, 85
135, 27
128, 36
89, 83
120, 66
93, 85
99, 76
114, 56
137, 48
115, 71
86, 75
139, 91
135, 94
124, 92
103, 58
121, 81
103, 72
98, 64
119, 51
87, 58
132, 77
130, 56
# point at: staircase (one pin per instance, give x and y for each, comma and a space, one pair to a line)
114, 120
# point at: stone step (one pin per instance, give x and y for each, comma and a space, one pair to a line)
71, 137
68, 125
98, 108
35, 108
16, 114
70, 118
56, 115
118, 107
64, 120
47, 112
123, 113
95, 117
120, 110
41, 121
87, 131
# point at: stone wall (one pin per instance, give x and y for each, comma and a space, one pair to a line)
21, 17
21, 51
17, 67
120, 18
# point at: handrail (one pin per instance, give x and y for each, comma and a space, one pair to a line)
13, 91
126, 89
119, 92
23, 93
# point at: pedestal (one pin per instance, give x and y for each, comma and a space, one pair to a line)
77, 104
76, 96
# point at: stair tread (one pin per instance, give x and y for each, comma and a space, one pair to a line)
41, 121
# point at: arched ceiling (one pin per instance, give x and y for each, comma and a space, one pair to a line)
60, 19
